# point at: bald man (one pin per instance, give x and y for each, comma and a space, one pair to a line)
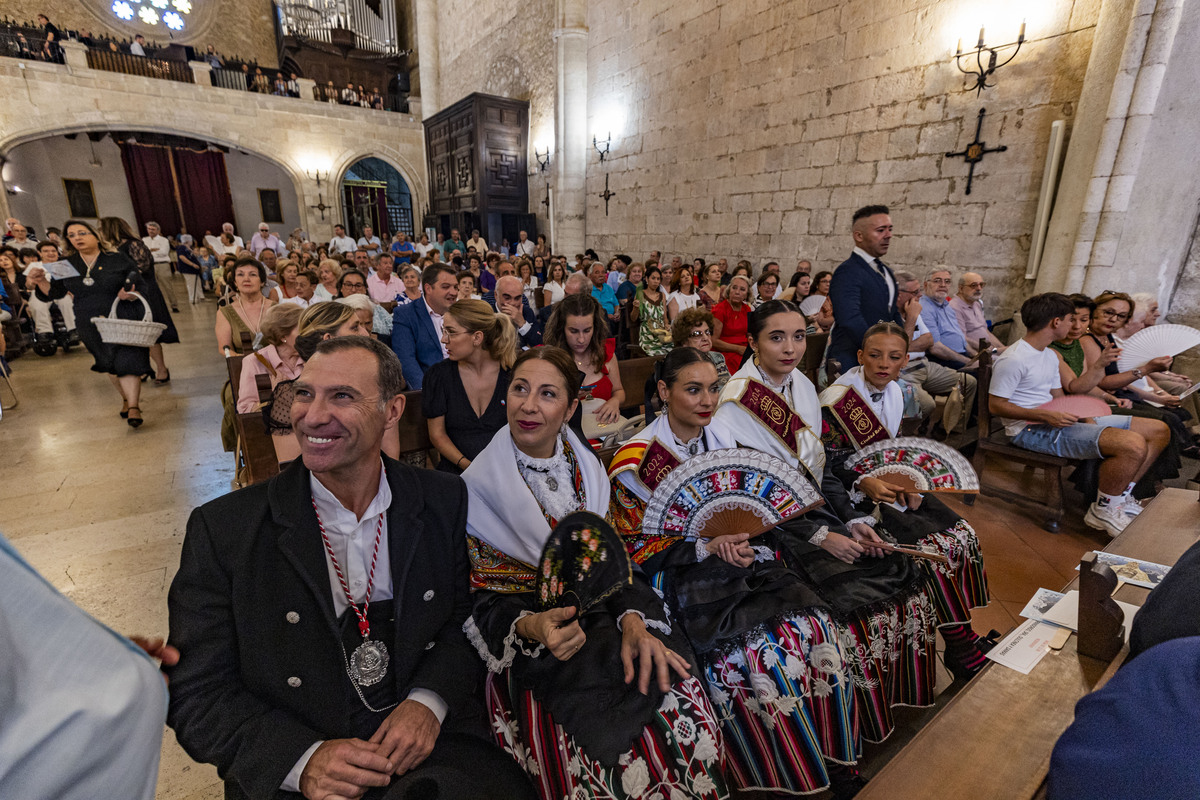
968, 308
510, 299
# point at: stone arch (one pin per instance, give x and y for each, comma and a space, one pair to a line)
23, 137
416, 185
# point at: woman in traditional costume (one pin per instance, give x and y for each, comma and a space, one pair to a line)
885, 615
865, 405
564, 693
769, 651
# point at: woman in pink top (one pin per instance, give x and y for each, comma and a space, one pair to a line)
278, 359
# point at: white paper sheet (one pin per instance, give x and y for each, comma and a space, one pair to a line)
1041, 602
1024, 647
1065, 613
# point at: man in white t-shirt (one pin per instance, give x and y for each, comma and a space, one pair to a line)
1026, 376
341, 243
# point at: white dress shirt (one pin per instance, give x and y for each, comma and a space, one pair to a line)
873, 263
341, 244
353, 541
524, 248
159, 247
438, 321
918, 332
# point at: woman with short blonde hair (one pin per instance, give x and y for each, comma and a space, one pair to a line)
463, 396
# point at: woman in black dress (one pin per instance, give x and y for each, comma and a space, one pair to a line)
104, 277
122, 237
463, 396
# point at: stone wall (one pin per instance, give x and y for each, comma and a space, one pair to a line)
754, 128
242, 28
505, 48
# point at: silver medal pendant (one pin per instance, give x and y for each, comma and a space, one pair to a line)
551, 483
368, 663
89, 281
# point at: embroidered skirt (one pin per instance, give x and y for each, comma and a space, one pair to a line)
786, 705
892, 660
677, 755
954, 589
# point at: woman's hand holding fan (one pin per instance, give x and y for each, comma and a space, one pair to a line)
732, 548
843, 548
1152, 348
881, 491
866, 536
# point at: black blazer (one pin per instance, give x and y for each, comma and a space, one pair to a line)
256, 686
860, 299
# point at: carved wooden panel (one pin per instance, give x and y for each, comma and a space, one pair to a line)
477, 157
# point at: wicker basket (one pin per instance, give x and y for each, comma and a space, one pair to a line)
129, 332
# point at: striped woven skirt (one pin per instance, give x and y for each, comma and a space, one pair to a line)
890, 651
679, 753
785, 701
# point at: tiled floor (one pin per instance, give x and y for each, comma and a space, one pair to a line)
100, 508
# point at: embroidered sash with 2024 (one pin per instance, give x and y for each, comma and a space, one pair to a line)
773, 412
858, 419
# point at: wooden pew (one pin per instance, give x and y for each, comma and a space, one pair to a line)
634, 374
257, 461
993, 739
995, 442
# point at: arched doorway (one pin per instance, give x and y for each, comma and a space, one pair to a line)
374, 193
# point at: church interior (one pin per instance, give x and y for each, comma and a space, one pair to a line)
1044, 147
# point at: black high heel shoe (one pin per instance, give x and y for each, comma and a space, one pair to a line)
163, 381
135, 422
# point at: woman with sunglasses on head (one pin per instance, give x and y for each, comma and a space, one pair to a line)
1113, 310
866, 405
886, 615
599, 705
768, 649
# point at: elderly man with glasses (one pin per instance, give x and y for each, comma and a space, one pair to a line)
264, 240
927, 377
968, 310
949, 344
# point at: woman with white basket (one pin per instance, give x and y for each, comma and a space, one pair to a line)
112, 317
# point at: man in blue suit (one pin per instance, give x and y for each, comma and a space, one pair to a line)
417, 327
863, 289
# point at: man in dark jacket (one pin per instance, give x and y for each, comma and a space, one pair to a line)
321, 613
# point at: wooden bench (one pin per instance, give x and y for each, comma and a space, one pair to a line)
993, 739
256, 460
634, 374
814, 356
996, 443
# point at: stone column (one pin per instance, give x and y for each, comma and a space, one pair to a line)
570, 127
5, 213
428, 55
75, 54
201, 73
308, 88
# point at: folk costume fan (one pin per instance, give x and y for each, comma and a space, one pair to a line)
917, 465
728, 492
584, 562
1154, 342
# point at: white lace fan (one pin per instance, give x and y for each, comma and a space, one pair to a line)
1156, 341
726, 492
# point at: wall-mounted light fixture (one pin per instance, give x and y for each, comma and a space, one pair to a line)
981, 73
602, 147
315, 174
543, 159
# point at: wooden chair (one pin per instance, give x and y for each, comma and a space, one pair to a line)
634, 374
412, 430
256, 460
814, 355
995, 442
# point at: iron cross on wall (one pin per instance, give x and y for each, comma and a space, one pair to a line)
976, 150
320, 206
607, 195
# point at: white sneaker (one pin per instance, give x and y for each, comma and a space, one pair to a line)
1130, 507
1106, 519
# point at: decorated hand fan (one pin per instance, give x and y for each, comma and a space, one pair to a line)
1156, 341
810, 305
919, 465
1081, 405
583, 563
728, 492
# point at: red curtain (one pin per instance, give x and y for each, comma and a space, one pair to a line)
148, 173
203, 191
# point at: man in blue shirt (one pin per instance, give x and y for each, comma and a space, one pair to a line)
949, 345
403, 249
602, 291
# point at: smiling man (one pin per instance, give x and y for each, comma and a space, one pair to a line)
322, 613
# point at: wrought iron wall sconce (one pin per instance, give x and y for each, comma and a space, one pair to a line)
316, 175
602, 147
543, 159
981, 73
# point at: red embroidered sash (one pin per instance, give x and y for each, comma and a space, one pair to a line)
771, 409
656, 464
856, 417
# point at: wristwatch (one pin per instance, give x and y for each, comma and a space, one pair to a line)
1137, 372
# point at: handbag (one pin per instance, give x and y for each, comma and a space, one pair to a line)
954, 416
